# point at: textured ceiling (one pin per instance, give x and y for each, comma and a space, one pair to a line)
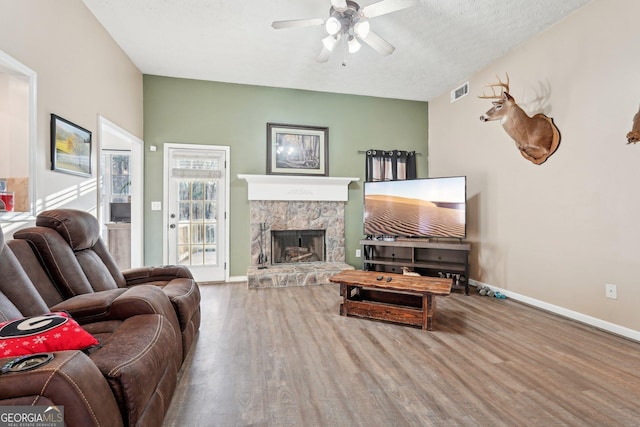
439, 43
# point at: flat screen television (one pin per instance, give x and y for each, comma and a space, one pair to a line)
427, 207
120, 212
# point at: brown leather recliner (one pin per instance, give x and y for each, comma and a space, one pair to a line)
128, 380
96, 306
68, 244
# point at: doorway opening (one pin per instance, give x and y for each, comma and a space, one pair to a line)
120, 197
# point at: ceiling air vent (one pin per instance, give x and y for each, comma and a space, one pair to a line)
459, 92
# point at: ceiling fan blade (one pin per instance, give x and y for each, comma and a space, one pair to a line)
324, 55
378, 43
387, 6
339, 4
296, 23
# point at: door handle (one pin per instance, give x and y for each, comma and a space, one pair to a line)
172, 226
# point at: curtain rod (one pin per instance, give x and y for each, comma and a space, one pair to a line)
365, 152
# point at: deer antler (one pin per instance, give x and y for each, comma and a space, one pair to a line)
503, 85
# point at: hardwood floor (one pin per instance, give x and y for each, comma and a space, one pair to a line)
284, 357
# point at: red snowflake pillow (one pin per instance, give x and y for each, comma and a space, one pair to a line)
40, 334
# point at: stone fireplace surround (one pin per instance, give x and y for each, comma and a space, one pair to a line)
296, 203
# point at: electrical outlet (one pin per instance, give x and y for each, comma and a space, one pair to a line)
156, 206
358, 253
611, 291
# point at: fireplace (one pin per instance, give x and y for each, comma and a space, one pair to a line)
269, 218
292, 246
309, 212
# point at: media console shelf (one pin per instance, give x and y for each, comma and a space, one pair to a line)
420, 255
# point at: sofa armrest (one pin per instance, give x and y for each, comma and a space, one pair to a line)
141, 363
119, 304
70, 380
144, 299
91, 307
137, 276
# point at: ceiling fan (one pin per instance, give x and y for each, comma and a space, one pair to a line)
349, 22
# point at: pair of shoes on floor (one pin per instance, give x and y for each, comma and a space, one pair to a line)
486, 291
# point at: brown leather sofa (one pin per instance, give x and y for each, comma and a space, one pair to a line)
128, 380
68, 244
96, 306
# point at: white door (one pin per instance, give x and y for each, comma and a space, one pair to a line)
196, 195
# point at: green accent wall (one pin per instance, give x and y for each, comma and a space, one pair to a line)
204, 112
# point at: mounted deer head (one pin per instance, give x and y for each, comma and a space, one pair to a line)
536, 137
634, 135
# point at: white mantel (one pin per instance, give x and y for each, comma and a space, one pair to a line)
294, 188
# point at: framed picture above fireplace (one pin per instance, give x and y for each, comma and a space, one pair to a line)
297, 150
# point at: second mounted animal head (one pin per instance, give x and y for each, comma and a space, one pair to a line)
634, 136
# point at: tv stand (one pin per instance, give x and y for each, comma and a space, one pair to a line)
428, 258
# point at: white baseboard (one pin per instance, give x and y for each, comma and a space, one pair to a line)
238, 279
561, 311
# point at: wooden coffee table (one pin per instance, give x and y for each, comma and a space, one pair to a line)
397, 298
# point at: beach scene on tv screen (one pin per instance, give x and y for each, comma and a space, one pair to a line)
417, 208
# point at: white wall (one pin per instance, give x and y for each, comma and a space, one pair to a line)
559, 231
81, 73
14, 125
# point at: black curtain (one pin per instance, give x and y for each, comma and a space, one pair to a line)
390, 165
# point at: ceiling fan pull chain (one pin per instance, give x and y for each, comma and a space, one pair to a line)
344, 52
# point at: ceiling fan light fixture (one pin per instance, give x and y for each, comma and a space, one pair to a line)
332, 25
362, 28
348, 21
329, 42
353, 44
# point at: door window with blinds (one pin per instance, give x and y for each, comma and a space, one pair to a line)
195, 176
